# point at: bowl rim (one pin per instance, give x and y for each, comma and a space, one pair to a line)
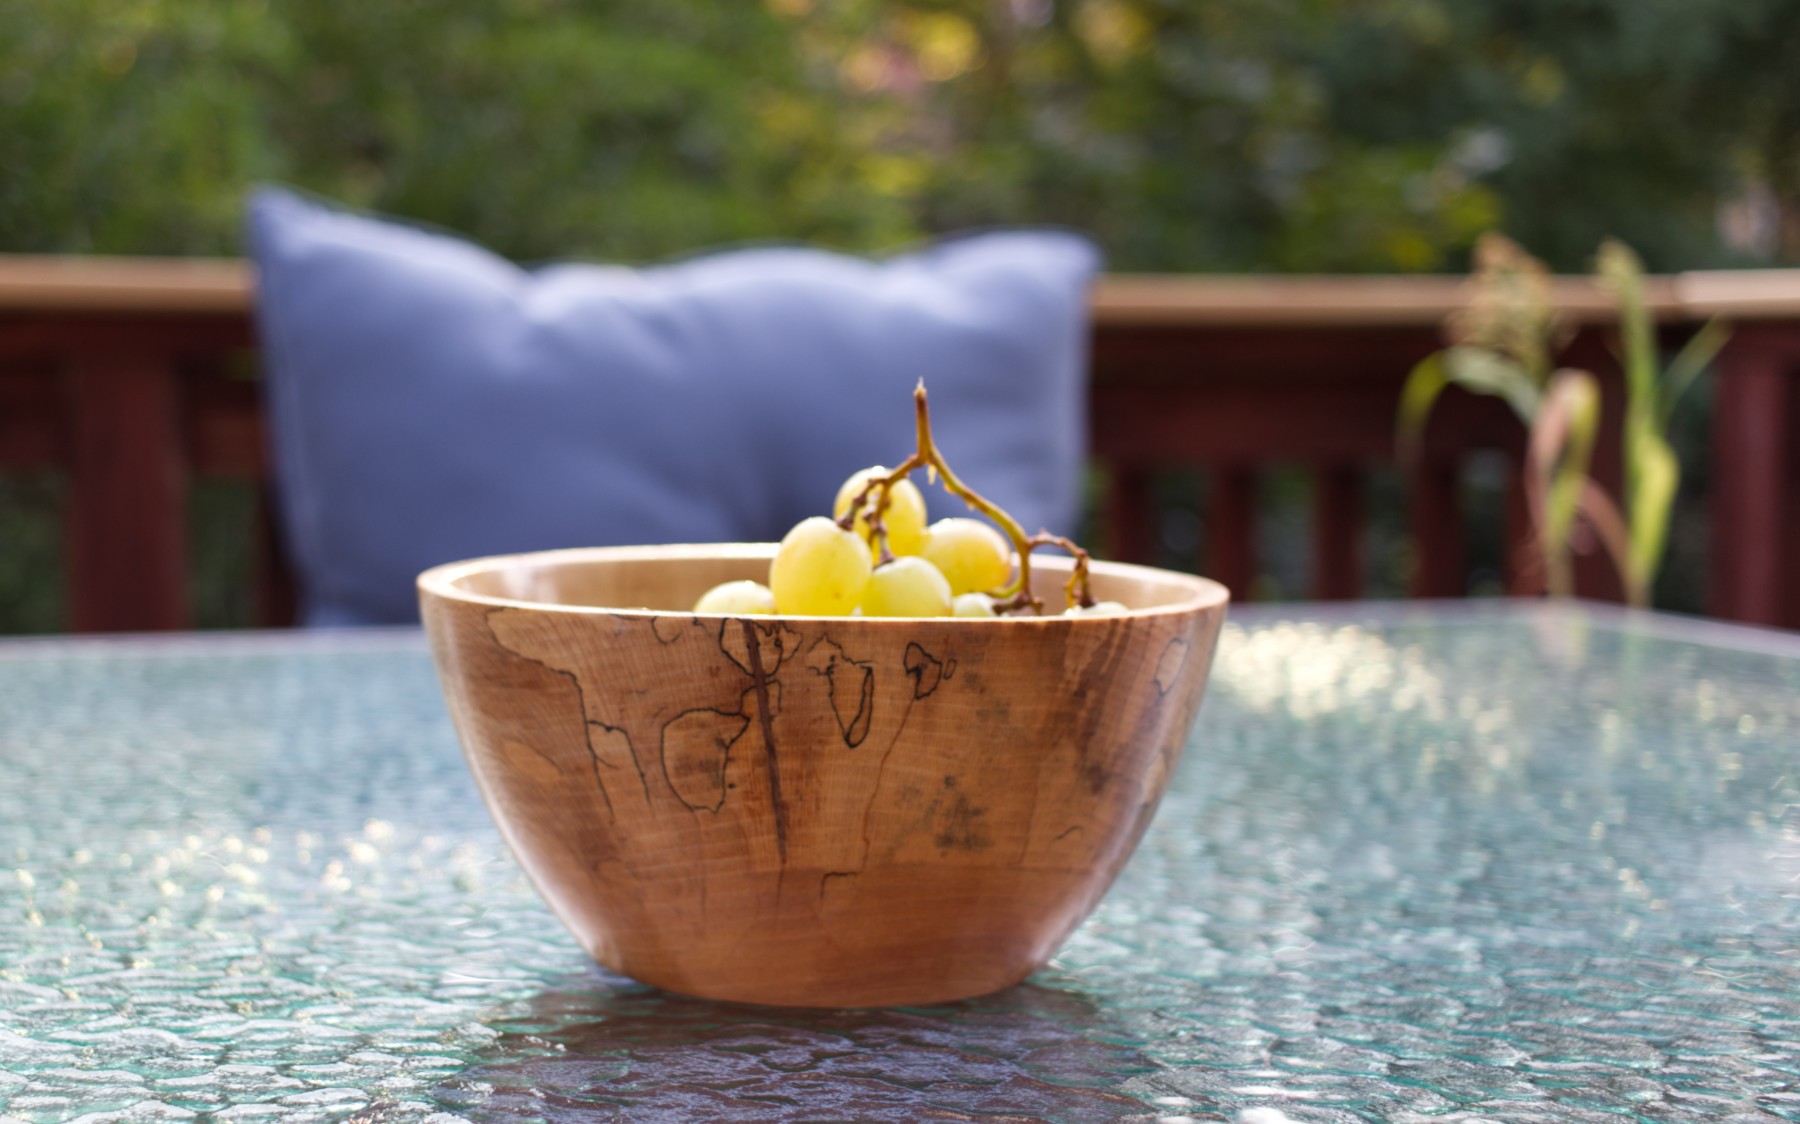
440, 581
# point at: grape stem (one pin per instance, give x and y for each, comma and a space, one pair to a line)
1016, 594
1077, 586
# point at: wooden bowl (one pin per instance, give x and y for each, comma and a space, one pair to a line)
812, 811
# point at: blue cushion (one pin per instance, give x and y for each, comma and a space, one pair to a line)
430, 401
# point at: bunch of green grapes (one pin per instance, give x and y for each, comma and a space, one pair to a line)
875, 557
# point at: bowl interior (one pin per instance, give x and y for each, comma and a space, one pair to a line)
672, 578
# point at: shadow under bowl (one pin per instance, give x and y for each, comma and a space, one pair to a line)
813, 811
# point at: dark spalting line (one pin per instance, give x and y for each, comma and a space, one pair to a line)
1111, 653
894, 740
855, 728
950, 668
545, 757
858, 727
724, 629
881, 768
782, 641
630, 751
724, 755
752, 642
925, 669
1068, 831
865, 711
487, 619
1175, 672
656, 629
1152, 716
829, 875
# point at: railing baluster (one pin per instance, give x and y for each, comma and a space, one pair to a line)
1521, 563
1435, 518
1231, 529
127, 515
276, 598
1337, 521
1128, 513
1749, 426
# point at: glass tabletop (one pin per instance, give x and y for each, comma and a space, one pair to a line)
1514, 862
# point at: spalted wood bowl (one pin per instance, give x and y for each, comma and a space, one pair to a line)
813, 811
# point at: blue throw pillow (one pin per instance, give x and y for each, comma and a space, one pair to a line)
430, 401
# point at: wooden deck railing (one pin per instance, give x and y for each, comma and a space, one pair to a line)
135, 376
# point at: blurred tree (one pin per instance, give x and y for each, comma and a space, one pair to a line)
634, 128
1587, 118
1186, 136
1232, 134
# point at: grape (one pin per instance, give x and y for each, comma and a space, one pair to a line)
971, 554
904, 518
1098, 609
907, 587
957, 567
734, 598
972, 605
820, 570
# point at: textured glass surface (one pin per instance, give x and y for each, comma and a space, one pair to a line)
1508, 864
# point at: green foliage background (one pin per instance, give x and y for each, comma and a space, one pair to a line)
1217, 135
1187, 135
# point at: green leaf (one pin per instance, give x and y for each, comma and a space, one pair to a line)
1482, 371
1658, 476
1689, 362
1562, 447
1621, 272
1417, 397
1609, 526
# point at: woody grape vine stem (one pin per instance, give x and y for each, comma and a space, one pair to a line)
1016, 594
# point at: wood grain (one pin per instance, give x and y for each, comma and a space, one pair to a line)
812, 811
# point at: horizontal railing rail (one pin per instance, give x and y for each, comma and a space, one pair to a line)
134, 377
